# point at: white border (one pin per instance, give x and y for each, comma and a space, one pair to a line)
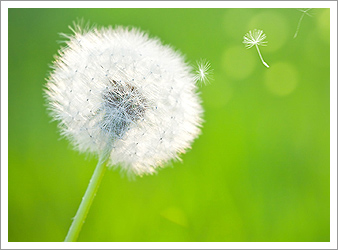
168, 4
169, 245
4, 125
333, 124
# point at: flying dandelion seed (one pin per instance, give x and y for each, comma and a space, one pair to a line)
304, 12
203, 71
255, 38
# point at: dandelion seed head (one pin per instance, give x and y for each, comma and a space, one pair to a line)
117, 88
254, 37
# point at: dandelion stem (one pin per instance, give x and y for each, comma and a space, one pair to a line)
261, 57
87, 200
300, 20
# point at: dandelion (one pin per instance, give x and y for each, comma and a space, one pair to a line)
125, 97
255, 38
203, 71
304, 12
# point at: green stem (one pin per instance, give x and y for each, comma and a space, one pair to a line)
87, 200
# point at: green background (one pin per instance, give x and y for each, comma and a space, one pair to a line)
259, 171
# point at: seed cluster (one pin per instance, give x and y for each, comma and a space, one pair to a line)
117, 90
122, 106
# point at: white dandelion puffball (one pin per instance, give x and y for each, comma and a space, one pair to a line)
122, 91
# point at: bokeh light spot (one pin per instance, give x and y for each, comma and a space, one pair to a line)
323, 25
235, 21
281, 78
274, 25
238, 62
175, 215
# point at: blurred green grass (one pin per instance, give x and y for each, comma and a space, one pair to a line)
259, 172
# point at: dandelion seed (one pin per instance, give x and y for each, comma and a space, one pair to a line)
304, 12
255, 38
203, 73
